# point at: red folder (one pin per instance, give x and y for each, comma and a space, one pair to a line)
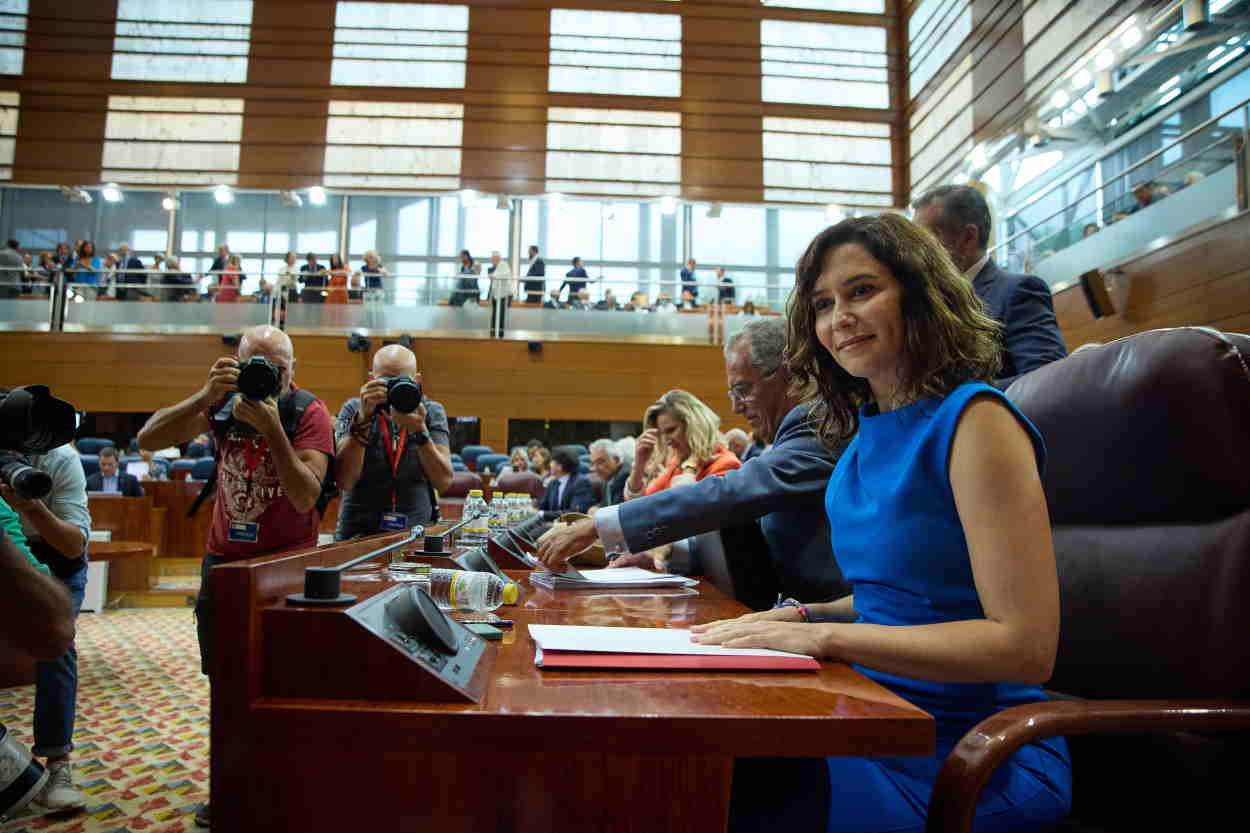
674, 662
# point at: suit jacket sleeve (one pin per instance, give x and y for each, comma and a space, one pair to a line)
95, 482
796, 468
1032, 331
583, 495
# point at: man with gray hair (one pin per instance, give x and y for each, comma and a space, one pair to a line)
738, 442
959, 218
613, 471
784, 488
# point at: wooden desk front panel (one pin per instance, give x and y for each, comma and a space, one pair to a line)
544, 750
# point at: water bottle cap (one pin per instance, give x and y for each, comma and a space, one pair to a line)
422, 568
475, 493
509, 593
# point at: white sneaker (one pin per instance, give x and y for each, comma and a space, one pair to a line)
60, 794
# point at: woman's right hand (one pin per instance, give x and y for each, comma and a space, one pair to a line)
645, 448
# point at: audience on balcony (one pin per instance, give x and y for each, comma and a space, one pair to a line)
313, 276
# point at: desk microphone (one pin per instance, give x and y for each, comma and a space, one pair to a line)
322, 585
434, 544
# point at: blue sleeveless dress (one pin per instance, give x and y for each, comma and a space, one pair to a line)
898, 539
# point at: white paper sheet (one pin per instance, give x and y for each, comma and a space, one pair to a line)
635, 641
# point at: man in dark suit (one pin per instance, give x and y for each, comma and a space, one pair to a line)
569, 490
960, 218
129, 273
784, 487
109, 479
535, 289
605, 461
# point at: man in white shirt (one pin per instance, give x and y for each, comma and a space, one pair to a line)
502, 288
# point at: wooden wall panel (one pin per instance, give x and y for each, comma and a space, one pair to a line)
492, 380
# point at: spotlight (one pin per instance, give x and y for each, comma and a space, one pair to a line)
111, 193
291, 199
223, 195
317, 195
1059, 99
468, 197
356, 343
170, 202
668, 205
714, 210
1104, 82
834, 213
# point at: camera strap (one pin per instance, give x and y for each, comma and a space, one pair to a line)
394, 452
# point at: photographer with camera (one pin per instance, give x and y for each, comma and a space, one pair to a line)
42, 479
393, 446
274, 448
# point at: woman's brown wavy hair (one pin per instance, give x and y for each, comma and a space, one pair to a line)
949, 337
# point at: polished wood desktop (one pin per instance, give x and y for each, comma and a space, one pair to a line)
541, 751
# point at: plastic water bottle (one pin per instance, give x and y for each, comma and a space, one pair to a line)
464, 590
498, 514
517, 509
475, 532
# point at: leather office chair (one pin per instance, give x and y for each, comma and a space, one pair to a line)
462, 482
457, 465
202, 468
1148, 486
470, 453
525, 482
90, 464
91, 445
491, 463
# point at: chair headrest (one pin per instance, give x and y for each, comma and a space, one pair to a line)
1151, 428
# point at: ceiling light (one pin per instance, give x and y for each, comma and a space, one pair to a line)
1130, 38
1222, 61
1105, 59
1168, 84
170, 202
502, 203
668, 205
317, 195
1169, 96
1081, 80
1231, 40
834, 213
1215, 52
714, 210
1104, 83
1059, 99
1079, 107
111, 193
468, 197
223, 194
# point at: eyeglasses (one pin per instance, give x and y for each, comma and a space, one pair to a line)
745, 391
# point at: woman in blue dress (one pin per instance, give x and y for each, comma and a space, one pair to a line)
939, 522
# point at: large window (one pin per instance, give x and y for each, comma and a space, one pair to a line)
826, 64
615, 53
400, 45
182, 40
613, 151
12, 36
813, 160
9, 103
172, 140
935, 30
393, 145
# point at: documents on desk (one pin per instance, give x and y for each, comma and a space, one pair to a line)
583, 646
609, 578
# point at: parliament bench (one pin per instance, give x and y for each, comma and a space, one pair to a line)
1148, 488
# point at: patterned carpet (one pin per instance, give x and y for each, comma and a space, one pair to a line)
141, 740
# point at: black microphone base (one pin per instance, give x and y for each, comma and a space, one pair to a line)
340, 600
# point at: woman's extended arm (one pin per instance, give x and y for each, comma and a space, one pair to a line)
1001, 506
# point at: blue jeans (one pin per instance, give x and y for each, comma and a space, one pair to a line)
56, 687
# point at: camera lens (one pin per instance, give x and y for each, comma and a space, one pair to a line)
30, 483
258, 378
403, 394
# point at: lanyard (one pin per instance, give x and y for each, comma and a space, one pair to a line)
394, 452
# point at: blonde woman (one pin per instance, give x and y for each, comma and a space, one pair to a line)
373, 275
682, 441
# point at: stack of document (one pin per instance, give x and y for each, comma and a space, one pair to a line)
581, 646
608, 578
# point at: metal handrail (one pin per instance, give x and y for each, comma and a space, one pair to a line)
1184, 136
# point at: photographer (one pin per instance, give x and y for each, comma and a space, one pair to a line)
57, 526
274, 448
393, 446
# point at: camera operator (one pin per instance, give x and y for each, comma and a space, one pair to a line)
57, 528
274, 448
393, 446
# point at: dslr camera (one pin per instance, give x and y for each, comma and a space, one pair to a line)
403, 393
32, 421
259, 378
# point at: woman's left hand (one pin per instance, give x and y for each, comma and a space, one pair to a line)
795, 637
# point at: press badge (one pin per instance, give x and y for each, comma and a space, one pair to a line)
243, 532
393, 522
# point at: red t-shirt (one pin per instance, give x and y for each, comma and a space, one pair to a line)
249, 492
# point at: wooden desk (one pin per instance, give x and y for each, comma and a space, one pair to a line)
129, 564
181, 537
129, 518
542, 751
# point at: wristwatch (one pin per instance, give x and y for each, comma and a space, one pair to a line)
421, 437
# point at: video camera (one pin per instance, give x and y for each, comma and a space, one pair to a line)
403, 393
32, 421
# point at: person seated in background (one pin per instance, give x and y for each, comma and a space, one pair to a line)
110, 479
1192, 178
1144, 194
637, 303
517, 462
608, 302
158, 467
688, 300
613, 471
664, 304
748, 310
940, 524
569, 490
1118, 216
540, 462
684, 435
737, 441
553, 300
959, 217
1090, 230
582, 301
